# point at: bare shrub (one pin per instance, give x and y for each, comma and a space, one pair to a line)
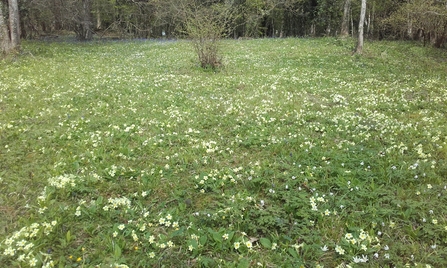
206, 24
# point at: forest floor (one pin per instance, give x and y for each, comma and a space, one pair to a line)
295, 153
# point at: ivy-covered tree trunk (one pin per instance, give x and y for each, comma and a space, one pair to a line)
9, 29
4, 38
84, 27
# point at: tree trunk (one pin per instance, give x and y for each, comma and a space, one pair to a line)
352, 24
84, 27
368, 28
359, 48
57, 13
312, 29
373, 18
14, 24
345, 20
9, 32
5, 42
409, 26
98, 19
88, 25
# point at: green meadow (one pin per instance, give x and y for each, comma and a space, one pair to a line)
295, 153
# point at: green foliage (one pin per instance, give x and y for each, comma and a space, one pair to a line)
49, 19
120, 154
420, 19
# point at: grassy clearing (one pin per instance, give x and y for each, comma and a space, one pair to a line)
295, 153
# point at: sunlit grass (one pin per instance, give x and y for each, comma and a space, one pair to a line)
293, 153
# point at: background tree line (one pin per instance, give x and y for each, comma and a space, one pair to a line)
398, 19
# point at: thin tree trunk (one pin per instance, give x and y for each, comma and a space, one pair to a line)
14, 23
87, 19
359, 48
352, 24
368, 29
98, 19
373, 18
409, 26
57, 13
345, 20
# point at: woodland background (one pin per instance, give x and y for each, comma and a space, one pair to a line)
423, 20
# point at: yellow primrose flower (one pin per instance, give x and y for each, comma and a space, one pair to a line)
236, 245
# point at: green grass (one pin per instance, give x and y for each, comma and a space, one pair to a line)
295, 153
